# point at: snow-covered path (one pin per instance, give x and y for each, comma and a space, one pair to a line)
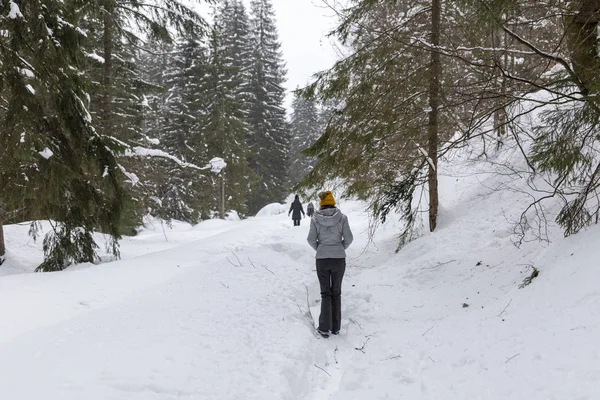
220, 312
218, 315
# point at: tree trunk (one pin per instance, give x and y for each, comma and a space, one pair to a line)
434, 104
109, 10
582, 40
2, 244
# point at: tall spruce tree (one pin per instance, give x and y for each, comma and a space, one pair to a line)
387, 123
54, 163
305, 129
185, 194
121, 31
269, 139
233, 31
224, 125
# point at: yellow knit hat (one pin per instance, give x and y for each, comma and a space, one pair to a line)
326, 199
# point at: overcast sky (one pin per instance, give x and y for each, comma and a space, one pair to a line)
303, 26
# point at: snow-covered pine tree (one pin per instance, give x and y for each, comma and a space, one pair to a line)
78, 181
233, 31
184, 131
305, 129
122, 102
175, 122
118, 102
224, 125
54, 163
269, 138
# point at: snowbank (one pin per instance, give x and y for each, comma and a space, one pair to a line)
272, 209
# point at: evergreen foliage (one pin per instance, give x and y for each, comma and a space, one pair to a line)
54, 162
74, 104
491, 53
183, 194
269, 139
224, 126
378, 137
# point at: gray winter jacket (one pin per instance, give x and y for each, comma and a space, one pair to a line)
330, 234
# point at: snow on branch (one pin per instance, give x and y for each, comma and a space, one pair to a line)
551, 56
450, 50
215, 165
536, 50
95, 57
133, 178
14, 12
426, 155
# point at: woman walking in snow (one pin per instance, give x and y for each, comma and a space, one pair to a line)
295, 210
330, 236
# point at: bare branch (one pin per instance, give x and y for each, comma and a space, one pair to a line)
427, 331
505, 307
363, 346
322, 370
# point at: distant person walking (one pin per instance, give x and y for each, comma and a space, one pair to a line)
295, 210
330, 236
310, 210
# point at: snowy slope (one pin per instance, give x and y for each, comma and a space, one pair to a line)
220, 311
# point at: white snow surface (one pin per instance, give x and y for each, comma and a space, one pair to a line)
219, 311
273, 209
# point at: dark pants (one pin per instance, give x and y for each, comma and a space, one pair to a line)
296, 222
331, 272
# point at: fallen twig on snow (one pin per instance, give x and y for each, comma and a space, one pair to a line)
510, 358
354, 322
425, 333
335, 354
392, 358
322, 370
444, 263
363, 346
267, 268
224, 285
239, 264
505, 307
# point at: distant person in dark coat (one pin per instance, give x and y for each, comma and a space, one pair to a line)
310, 210
295, 210
330, 236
